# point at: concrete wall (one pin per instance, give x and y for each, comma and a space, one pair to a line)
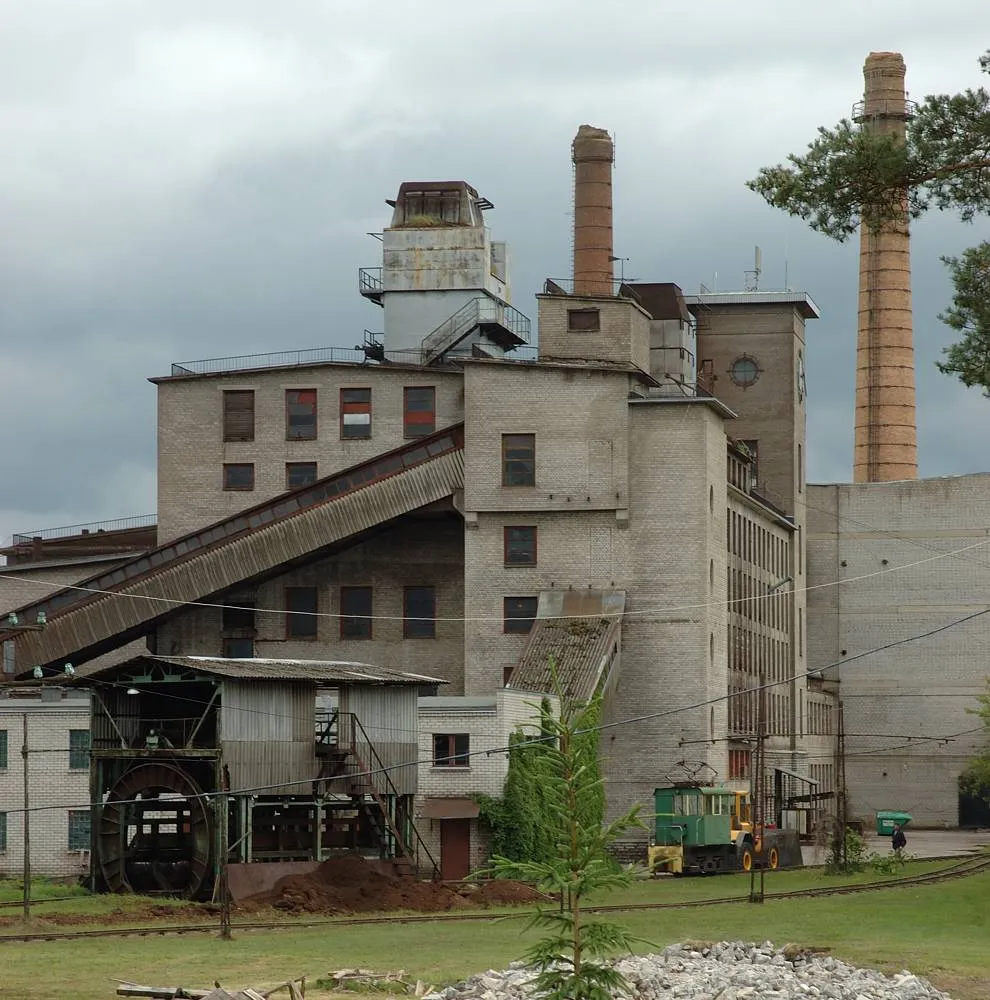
192, 452
893, 700
413, 553
53, 787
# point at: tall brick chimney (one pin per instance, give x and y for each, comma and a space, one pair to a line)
886, 431
592, 153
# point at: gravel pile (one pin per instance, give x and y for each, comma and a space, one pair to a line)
729, 970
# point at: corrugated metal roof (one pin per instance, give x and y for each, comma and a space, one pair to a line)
582, 649
316, 671
800, 300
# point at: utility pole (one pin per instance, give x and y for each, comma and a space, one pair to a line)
27, 826
224, 837
756, 895
839, 844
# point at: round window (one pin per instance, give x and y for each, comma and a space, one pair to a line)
744, 371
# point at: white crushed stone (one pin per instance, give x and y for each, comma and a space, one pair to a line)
728, 970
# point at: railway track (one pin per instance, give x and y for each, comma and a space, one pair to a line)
961, 869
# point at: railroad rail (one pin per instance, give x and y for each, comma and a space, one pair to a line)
962, 869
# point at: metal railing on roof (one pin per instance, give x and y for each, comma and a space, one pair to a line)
900, 110
92, 528
565, 286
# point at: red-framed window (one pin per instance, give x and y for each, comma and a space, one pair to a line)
355, 413
518, 614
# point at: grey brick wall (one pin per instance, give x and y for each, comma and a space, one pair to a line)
921, 688
53, 786
414, 553
623, 337
192, 452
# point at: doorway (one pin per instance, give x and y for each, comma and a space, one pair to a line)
455, 849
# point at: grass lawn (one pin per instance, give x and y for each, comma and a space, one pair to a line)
940, 931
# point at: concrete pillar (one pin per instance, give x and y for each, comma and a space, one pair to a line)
592, 153
886, 429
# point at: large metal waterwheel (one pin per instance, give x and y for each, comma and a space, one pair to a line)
156, 833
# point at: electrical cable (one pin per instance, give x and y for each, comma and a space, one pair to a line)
599, 728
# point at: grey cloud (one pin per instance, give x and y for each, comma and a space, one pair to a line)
183, 181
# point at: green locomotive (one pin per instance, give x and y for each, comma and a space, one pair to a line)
704, 829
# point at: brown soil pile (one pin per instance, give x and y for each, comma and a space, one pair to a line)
349, 884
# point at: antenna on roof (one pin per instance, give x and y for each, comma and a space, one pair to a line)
752, 278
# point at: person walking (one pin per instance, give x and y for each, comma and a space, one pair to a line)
898, 841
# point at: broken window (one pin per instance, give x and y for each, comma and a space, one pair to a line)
300, 414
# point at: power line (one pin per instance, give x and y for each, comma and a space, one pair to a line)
535, 741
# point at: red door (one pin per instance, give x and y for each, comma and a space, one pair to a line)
455, 849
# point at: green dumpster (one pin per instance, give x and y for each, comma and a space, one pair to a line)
888, 819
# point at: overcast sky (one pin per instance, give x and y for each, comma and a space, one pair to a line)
184, 180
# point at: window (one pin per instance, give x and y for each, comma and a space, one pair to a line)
753, 447
419, 613
520, 546
583, 321
79, 749
3, 831
302, 604
240, 615
300, 414
299, 474
238, 415
419, 411
355, 612
739, 762
507, 674
238, 648
451, 749
78, 829
3, 748
745, 371
238, 476
518, 614
355, 413
518, 459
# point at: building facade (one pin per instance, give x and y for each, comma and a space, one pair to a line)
908, 730
626, 500
57, 725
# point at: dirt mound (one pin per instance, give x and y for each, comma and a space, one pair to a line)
504, 893
350, 884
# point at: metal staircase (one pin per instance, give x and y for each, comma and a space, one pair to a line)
367, 799
502, 324
107, 611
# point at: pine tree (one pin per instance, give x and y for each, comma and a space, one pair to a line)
850, 175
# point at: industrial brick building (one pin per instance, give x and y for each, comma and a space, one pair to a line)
452, 503
905, 708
